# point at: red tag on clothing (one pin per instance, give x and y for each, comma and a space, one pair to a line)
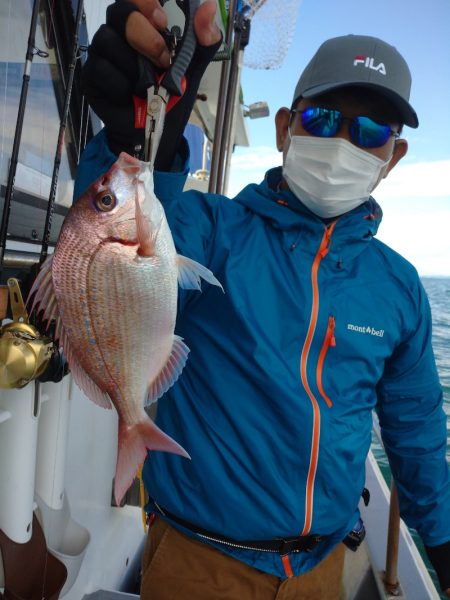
175, 99
140, 112
140, 105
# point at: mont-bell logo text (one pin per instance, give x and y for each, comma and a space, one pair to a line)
366, 329
369, 63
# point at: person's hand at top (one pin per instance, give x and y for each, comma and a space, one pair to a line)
111, 74
142, 29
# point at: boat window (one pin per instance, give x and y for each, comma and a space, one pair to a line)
44, 104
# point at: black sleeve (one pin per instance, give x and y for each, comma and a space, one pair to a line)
440, 559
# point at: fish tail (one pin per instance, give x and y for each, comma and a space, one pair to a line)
134, 442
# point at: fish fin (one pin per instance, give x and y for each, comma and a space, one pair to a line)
170, 372
81, 378
190, 272
44, 292
146, 233
45, 299
134, 442
150, 215
45, 274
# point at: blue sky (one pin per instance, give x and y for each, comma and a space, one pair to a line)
416, 196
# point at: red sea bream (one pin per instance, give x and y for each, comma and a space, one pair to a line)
111, 286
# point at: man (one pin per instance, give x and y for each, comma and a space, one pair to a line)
320, 324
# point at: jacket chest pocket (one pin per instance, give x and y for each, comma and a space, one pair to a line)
351, 359
328, 342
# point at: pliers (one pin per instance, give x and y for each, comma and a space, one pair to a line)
162, 86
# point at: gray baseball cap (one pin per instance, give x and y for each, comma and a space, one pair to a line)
359, 60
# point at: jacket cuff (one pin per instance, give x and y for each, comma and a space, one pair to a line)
170, 184
95, 160
440, 559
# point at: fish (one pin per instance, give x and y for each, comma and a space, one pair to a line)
111, 288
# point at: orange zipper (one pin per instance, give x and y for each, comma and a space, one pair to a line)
328, 341
321, 253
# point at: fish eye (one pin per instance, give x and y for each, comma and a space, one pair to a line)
105, 201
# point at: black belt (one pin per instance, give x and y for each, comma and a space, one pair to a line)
304, 543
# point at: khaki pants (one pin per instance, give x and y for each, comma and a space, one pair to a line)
176, 567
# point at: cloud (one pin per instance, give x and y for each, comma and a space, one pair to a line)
249, 165
422, 238
417, 180
416, 205
260, 157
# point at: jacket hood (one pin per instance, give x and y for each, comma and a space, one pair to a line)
285, 212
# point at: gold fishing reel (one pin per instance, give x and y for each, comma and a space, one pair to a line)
24, 352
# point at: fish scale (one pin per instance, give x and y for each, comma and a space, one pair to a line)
155, 306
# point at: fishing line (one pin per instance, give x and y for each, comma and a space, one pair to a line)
61, 134
31, 51
82, 133
52, 25
56, 48
84, 120
86, 126
2, 150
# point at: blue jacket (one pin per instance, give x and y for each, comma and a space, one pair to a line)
319, 325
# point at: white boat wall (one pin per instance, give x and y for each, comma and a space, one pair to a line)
60, 535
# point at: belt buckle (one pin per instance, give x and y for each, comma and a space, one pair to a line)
299, 544
314, 540
288, 545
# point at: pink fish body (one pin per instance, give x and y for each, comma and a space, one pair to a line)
112, 286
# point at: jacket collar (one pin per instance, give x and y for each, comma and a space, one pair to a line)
285, 212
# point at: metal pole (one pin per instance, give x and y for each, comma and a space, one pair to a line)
31, 51
224, 83
241, 37
62, 130
230, 133
391, 575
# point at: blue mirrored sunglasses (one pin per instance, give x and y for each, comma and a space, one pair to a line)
363, 131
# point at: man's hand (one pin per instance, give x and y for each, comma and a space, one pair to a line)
142, 29
111, 72
447, 592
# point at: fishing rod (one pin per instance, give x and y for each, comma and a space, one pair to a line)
61, 134
31, 51
241, 39
220, 115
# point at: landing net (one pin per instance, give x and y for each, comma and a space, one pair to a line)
272, 29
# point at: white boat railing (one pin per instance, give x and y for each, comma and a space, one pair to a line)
403, 562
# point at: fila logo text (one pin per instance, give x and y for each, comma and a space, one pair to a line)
369, 63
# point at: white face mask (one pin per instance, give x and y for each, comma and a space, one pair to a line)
330, 175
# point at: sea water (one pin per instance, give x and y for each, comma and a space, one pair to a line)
438, 290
